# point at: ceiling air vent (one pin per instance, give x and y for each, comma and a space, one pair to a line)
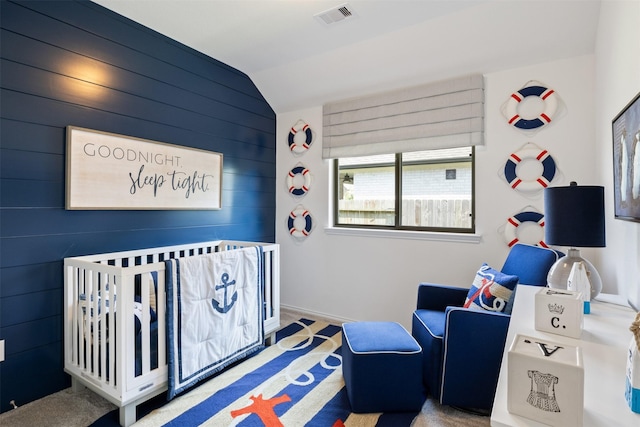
336, 14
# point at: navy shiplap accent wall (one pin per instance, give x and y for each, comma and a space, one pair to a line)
76, 63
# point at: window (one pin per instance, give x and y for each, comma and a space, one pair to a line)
426, 190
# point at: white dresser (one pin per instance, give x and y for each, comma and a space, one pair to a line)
604, 342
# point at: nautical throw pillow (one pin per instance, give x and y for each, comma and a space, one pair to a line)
490, 290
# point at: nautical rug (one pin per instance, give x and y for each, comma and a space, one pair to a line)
295, 382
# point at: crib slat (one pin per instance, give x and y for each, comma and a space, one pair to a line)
92, 323
162, 325
75, 304
111, 325
145, 348
85, 357
126, 332
100, 338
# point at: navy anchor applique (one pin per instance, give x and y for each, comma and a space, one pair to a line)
226, 304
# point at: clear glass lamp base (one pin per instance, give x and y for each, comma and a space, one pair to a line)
559, 272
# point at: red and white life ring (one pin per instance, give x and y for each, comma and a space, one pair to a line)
548, 96
299, 189
537, 183
300, 212
511, 229
295, 147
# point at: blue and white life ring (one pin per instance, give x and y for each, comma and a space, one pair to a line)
511, 229
531, 153
550, 106
299, 190
300, 212
300, 126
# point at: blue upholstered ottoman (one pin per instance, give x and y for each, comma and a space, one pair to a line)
382, 367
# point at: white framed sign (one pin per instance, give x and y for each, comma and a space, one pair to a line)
110, 171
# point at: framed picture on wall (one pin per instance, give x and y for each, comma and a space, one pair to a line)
626, 161
109, 171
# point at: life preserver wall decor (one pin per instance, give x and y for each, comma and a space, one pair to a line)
529, 152
298, 147
300, 222
549, 98
511, 228
298, 180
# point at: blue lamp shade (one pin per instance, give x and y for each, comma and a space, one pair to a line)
574, 216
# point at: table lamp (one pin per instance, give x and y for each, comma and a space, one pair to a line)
574, 217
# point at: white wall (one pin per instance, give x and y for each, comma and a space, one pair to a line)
374, 278
617, 82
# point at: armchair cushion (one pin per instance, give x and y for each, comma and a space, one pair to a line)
490, 290
530, 263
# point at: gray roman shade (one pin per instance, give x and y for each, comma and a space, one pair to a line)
444, 114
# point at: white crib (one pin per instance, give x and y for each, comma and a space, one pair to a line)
102, 284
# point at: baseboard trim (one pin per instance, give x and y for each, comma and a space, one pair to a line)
301, 312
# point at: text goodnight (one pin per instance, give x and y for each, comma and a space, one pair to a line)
175, 180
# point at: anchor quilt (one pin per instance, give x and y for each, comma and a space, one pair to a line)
214, 313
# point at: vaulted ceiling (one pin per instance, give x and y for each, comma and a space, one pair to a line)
298, 61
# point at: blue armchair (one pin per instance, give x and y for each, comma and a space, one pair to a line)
462, 348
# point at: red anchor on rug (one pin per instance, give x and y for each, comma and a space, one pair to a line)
263, 409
